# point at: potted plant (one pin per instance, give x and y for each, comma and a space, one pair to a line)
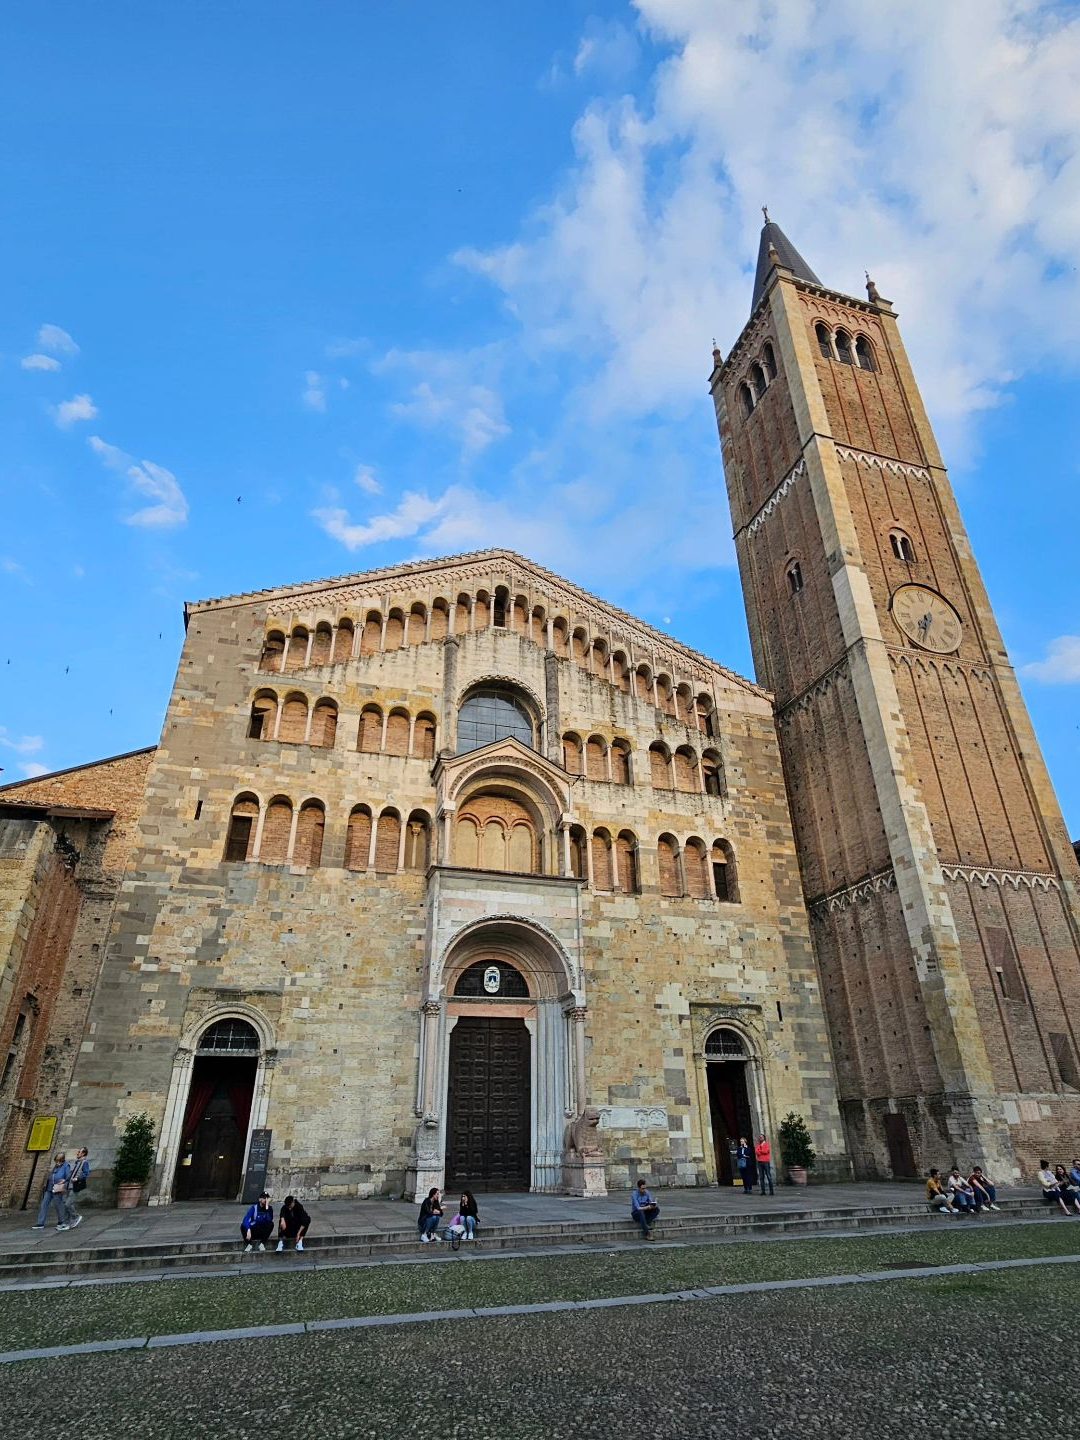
796, 1148
134, 1160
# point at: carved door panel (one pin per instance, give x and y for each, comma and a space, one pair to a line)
489, 1124
219, 1154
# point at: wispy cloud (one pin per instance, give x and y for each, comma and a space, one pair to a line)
21, 744
453, 392
70, 412
56, 340
153, 481
10, 566
414, 511
367, 480
39, 362
33, 768
314, 394
1062, 663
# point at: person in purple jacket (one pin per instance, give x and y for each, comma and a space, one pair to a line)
258, 1224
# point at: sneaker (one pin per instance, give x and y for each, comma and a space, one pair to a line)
76, 1222
247, 1248
37, 1227
995, 1207
262, 1247
425, 1239
300, 1244
280, 1246
437, 1239
63, 1227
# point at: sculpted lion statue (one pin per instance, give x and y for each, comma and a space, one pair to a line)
581, 1136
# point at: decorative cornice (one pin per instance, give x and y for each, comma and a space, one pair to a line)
751, 527
949, 663
821, 686
987, 875
865, 889
881, 462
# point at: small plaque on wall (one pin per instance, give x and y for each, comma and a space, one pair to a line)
258, 1160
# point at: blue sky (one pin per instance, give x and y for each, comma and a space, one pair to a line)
298, 290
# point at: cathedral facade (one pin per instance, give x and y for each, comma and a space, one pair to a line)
451, 873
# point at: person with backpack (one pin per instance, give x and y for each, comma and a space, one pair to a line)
80, 1174
56, 1190
258, 1224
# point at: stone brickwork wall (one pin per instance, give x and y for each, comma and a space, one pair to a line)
335, 965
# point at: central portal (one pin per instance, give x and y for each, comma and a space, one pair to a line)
488, 1130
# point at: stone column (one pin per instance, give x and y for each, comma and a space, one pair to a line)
172, 1126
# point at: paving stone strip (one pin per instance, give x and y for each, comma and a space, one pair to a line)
359, 1322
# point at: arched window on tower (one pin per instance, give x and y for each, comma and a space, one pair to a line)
712, 773
902, 548
571, 752
769, 361
369, 736
620, 762
864, 353
626, 863
424, 736
695, 861
263, 715
725, 877
371, 635
324, 724
343, 642
824, 340
747, 398
417, 841
323, 644
843, 348
242, 823
387, 841
277, 829
298, 643
757, 379
578, 842
601, 860
660, 767
358, 838
667, 859
794, 577
310, 825
272, 651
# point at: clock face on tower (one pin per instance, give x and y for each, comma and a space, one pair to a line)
927, 618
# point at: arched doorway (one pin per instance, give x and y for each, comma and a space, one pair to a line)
489, 1089
214, 1134
726, 1064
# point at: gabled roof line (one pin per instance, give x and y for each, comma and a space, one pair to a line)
72, 769
420, 567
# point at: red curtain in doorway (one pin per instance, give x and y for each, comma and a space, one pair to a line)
240, 1098
199, 1097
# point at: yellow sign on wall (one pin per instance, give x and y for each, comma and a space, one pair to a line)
42, 1132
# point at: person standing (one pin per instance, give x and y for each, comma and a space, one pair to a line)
80, 1173
744, 1159
644, 1209
258, 1224
763, 1155
429, 1217
56, 1190
470, 1216
293, 1223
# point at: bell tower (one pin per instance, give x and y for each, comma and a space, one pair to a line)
940, 882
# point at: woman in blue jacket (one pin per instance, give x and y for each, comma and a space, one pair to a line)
258, 1224
56, 1191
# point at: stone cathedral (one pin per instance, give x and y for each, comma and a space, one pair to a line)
451, 873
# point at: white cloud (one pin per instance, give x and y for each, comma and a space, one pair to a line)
413, 512
39, 362
153, 481
1062, 663
21, 744
52, 337
69, 412
33, 769
453, 392
367, 480
314, 396
10, 566
935, 144
608, 50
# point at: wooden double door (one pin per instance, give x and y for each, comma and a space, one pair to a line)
489, 1139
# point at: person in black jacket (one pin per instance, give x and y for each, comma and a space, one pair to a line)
744, 1159
293, 1223
469, 1214
430, 1215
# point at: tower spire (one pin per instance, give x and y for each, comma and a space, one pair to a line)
775, 249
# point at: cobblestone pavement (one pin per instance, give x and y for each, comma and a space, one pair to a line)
186, 1221
986, 1351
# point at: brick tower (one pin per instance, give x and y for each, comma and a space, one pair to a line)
941, 886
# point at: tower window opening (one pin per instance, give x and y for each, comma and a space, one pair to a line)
864, 353
794, 577
824, 340
757, 375
769, 360
843, 348
747, 398
902, 548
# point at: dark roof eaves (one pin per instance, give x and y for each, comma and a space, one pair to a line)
71, 769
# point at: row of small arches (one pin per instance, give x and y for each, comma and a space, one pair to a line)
280, 833
292, 720
758, 379
326, 644
838, 345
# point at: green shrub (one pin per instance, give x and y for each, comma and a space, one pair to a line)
795, 1144
135, 1153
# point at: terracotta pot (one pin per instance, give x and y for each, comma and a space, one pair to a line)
128, 1195
797, 1175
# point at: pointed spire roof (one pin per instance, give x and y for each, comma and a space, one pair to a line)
773, 238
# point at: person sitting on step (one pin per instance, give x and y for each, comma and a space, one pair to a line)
1052, 1191
937, 1196
984, 1187
258, 1224
430, 1214
644, 1209
469, 1214
961, 1194
1070, 1191
293, 1223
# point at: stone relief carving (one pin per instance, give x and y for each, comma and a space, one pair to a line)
631, 1117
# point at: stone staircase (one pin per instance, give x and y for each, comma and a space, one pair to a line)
105, 1262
